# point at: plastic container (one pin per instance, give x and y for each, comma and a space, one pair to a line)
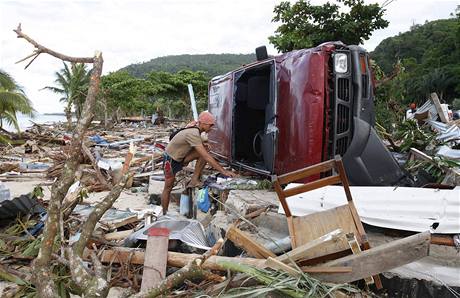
184, 205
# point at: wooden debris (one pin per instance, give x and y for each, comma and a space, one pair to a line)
114, 236
437, 104
305, 251
243, 240
379, 259
356, 249
99, 174
278, 265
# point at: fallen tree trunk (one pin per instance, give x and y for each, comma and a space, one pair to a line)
175, 259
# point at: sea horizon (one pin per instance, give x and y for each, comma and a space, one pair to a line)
24, 121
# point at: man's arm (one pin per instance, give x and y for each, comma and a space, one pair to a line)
209, 159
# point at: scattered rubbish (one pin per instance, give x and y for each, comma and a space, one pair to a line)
24, 204
202, 200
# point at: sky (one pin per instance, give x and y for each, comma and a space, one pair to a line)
135, 31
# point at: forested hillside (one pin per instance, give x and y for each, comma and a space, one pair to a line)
430, 58
211, 64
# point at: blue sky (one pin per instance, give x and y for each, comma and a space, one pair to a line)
135, 31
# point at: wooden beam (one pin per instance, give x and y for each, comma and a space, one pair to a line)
312, 185
244, 241
379, 259
437, 104
277, 265
303, 251
118, 235
322, 269
305, 172
156, 256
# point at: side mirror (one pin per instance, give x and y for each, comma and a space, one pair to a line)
261, 53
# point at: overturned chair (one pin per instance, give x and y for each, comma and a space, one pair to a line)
304, 229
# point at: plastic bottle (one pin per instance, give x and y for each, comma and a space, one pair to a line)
4, 192
184, 206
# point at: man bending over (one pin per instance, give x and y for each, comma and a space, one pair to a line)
184, 147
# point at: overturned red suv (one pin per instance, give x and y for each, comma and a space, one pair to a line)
283, 113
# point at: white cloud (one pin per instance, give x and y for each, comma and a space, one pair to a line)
136, 31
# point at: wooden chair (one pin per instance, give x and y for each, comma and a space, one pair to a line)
303, 229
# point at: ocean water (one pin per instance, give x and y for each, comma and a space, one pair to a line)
25, 121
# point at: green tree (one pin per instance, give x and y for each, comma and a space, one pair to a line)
172, 94
12, 101
304, 25
127, 94
430, 54
72, 83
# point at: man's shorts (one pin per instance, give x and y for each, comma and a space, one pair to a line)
170, 166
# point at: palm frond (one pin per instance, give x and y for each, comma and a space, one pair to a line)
6, 81
281, 282
10, 118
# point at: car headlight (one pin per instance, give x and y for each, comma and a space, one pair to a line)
340, 63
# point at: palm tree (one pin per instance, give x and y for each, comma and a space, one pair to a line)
73, 85
12, 100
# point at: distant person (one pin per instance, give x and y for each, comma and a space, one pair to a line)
184, 147
411, 111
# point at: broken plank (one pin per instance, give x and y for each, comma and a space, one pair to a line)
244, 241
379, 259
437, 104
156, 256
118, 235
277, 265
322, 269
356, 249
116, 223
304, 250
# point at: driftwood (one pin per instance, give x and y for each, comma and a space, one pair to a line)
99, 174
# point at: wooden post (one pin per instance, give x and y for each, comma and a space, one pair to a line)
156, 258
437, 104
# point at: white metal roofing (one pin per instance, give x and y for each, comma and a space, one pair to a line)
402, 208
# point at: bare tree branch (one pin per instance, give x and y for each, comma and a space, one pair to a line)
42, 274
42, 49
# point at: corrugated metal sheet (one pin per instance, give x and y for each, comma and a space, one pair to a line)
18, 206
190, 232
401, 208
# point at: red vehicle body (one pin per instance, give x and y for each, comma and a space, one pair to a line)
287, 112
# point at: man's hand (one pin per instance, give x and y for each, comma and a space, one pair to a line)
230, 174
207, 146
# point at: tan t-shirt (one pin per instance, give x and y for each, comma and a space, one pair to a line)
183, 142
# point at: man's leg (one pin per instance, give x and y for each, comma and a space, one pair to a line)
170, 177
166, 194
193, 155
